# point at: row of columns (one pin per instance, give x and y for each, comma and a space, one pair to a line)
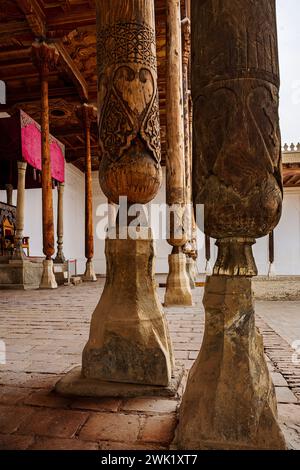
45, 57
229, 401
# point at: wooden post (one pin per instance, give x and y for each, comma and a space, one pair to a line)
9, 193
60, 257
129, 346
178, 291
229, 401
45, 58
87, 114
18, 249
208, 269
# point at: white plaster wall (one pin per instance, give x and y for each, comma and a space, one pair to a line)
287, 234
73, 217
287, 237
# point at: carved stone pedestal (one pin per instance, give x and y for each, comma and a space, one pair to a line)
89, 275
48, 278
178, 290
229, 402
129, 350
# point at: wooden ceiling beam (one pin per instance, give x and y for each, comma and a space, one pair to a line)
34, 16
70, 68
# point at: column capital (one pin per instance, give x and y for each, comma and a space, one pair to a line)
9, 186
44, 56
22, 165
186, 40
86, 114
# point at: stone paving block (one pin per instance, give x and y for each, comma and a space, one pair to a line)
48, 443
289, 417
278, 380
14, 442
53, 422
108, 445
12, 417
111, 427
44, 398
150, 405
13, 395
159, 429
100, 404
285, 395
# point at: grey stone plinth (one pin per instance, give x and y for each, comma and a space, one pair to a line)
75, 384
20, 274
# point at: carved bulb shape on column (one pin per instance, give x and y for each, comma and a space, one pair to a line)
129, 129
237, 145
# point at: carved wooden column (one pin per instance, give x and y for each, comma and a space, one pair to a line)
178, 291
87, 114
18, 253
230, 402
45, 58
129, 347
9, 193
60, 257
186, 53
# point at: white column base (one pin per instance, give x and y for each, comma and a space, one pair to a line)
89, 275
271, 271
208, 268
48, 278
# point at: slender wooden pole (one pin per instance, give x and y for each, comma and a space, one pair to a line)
178, 291
87, 114
45, 57
9, 193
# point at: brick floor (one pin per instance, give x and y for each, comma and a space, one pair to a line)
45, 333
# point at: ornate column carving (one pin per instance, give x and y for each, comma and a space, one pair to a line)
87, 114
178, 290
20, 216
230, 402
129, 347
60, 257
45, 58
9, 193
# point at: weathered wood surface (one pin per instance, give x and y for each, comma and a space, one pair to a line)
237, 145
129, 131
45, 58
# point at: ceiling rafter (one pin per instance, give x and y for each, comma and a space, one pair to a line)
34, 16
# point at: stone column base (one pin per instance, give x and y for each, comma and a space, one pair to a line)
271, 271
89, 275
208, 268
129, 340
229, 402
48, 278
190, 269
178, 291
75, 384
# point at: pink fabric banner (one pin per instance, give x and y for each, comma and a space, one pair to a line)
32, 151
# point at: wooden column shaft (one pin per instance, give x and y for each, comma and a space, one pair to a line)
45, 57
89, 234
175, 161
271, 248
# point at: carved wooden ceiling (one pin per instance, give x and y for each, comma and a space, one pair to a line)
71, 25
